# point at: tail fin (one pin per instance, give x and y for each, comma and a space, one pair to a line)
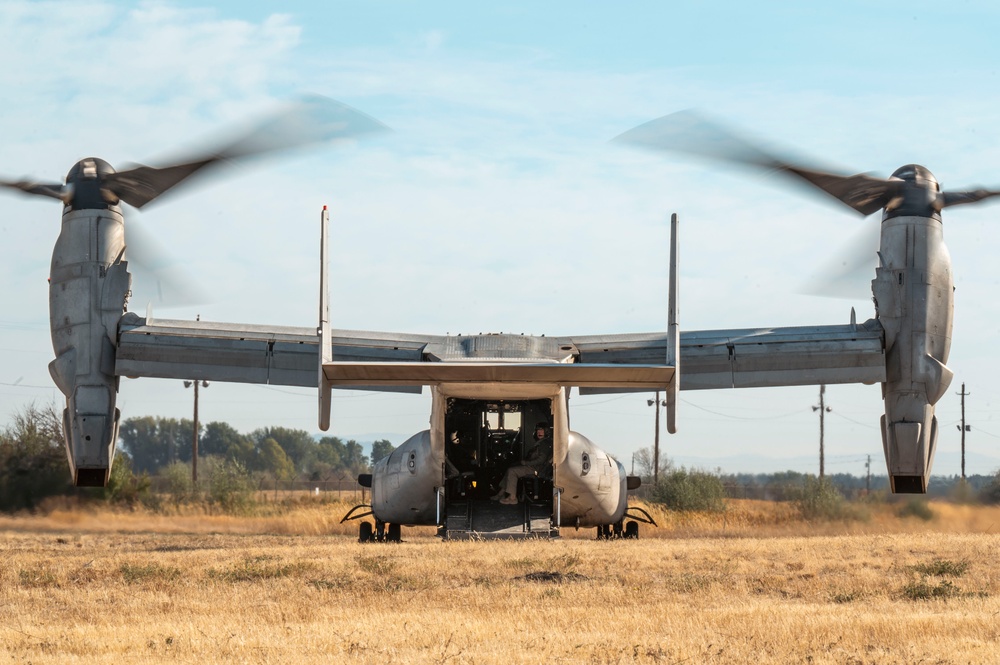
673, 332
325, 354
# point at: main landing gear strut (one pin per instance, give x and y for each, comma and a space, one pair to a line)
381, 532
622, 529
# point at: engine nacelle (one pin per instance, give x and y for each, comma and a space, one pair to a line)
88, 286
594, 485
404, 482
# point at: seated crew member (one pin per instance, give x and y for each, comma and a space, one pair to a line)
460, 455
538, 461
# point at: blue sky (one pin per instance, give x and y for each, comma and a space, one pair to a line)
497, 203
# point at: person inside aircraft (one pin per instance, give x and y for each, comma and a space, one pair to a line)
538, 461
461, 454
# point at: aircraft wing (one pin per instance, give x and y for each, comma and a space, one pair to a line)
247, 353
752, 357
395, 362
282, 355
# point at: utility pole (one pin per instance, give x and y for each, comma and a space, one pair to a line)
194, 437
868, 477
656, 436
963, 427
823, 409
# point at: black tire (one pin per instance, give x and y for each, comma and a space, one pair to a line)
618, 529
365, 533
393, 534
632, 530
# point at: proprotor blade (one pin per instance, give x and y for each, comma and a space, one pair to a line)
304, 122
691, 132
973, 196
51, 190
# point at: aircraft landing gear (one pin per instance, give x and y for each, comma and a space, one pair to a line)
382, 532
365, 533
619, 530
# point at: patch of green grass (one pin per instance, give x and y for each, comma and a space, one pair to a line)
337, 584
134, 573
922, 590
844, 597
522, 563
689, 582
253, 569
37, 578
379, 566
942, 568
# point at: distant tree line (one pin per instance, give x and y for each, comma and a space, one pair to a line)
33, 463
787, 485
153, 443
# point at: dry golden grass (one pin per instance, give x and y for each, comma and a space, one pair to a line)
753, 585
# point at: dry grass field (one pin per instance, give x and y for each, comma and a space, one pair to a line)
755, 584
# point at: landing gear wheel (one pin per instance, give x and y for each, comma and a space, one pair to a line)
365, 533
379, 531
393, 534
604, 532
632, 530
618, 529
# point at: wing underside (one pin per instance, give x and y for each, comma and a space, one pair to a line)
289, 356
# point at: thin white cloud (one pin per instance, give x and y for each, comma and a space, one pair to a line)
496, 205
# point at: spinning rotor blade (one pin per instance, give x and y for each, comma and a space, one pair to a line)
848, 272
958, 198
692, 133
307, 121
159, 278
52, 190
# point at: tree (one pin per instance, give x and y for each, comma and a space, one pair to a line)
155, 442
297, 444
271, 458
242, 454
33, 462
643, 459
329, 450
354, 458
217, 439
380, 449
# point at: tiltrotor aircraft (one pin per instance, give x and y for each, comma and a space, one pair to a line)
489, 391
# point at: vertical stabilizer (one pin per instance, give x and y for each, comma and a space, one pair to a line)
673, 332
325, 354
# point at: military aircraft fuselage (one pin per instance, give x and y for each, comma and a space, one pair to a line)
89, 284
450, 470
913, 294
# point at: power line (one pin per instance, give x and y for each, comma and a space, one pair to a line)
732, 417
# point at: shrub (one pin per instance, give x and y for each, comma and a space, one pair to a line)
991, 493
819, 499
123, 485
685, 490
922, 590
962, 492
916, 508
33, 462
943, 568
177, 481
231, 487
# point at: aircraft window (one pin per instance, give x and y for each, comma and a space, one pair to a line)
511, 420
